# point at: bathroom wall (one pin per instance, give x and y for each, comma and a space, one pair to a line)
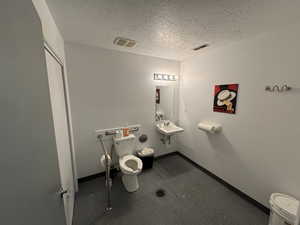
111, 89
258, 149
28, 162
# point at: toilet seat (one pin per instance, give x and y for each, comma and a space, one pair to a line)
130, 164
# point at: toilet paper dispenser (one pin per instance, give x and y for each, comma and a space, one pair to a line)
210, 127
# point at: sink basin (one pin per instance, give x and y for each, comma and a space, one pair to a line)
168, 128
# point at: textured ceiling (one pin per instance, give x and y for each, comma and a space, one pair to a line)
169, 28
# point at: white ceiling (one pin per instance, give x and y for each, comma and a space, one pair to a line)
169, 28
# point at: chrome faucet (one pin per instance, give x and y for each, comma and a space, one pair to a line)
166, 123
159, 116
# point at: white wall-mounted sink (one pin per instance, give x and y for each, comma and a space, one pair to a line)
168, 128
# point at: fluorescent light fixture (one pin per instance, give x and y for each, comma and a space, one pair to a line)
166, 77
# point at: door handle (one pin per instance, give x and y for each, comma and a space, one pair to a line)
62, 192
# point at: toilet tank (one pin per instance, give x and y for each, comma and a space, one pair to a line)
125, 145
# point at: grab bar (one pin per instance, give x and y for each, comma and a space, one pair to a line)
108, 181
113, 131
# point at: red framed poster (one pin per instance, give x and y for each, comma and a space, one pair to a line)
225, 98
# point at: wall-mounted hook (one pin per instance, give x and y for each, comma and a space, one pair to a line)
268, 88
286, 88
278, 89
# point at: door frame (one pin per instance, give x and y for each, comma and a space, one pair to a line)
50, 50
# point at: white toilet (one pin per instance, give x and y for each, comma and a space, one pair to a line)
130, 165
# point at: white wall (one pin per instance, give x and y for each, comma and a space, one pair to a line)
111, 89
28, 162
258, 150
55, 40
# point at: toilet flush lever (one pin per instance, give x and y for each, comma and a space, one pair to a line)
62, 192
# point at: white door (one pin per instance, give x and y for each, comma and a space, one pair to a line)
59, 111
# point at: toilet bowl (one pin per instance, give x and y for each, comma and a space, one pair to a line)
130, 166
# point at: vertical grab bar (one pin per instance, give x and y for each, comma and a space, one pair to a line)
298, 216
108, 181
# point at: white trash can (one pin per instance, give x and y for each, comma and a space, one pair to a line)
283, 209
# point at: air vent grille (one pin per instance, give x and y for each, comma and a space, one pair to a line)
200, 47
125, 42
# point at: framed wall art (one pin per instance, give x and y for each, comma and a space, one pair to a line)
225, 98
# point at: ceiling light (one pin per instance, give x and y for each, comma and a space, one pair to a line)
165, 77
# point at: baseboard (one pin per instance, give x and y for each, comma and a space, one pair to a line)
165, 155
229, 186
97, 175
114, 171
102, 174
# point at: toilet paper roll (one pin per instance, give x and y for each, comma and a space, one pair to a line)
210, 127
103, 162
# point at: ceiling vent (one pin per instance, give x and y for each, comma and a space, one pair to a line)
200, 47
125, 42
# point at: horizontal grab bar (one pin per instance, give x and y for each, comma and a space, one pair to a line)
113, 131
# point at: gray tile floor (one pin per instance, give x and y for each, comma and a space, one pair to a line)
192, 198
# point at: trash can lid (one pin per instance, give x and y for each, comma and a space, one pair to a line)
286, 205
146, 152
